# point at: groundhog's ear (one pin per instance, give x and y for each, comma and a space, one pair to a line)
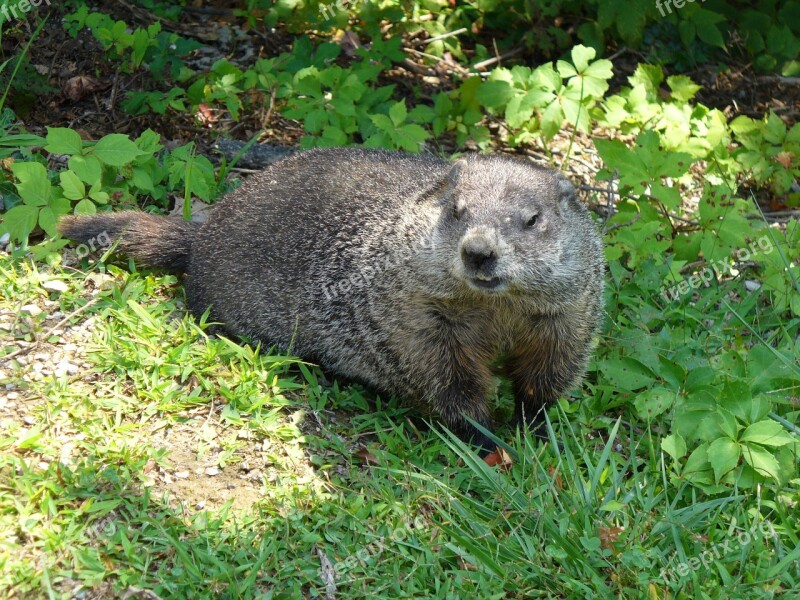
566, 191
453, 176
455, 172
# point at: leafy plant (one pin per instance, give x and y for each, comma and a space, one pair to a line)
113, 169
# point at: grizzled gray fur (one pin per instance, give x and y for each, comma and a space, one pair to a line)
408, 273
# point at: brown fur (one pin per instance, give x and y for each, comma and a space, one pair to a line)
408, 273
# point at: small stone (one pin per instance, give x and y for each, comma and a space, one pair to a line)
31, 309
182, 474
751, 286
28, 420
212, 471
55, 285
66, 368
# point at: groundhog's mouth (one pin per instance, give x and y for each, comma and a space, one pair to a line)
491, 283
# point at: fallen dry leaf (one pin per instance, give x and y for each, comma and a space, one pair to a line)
557, 481
499, 458
77, 87
366, 457
785, 159
609, 536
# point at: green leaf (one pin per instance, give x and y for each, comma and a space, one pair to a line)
674, 445
565, 69
683, 88
697, 463
410, 136
316, 120
775, 130
631, 19
382, 122
711, 35
61, 140
99, 196
767, 433
707, 30
72, 185
116, 150
34, 187
48, 220
398, 112
653, 402
148, 142
88, 168
85, 207
612, 506
626, 373
581, 55
494, 94
20, 221
761, 460
723, 454
727, 423
617, 155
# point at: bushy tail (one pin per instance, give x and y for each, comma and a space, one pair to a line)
153, 241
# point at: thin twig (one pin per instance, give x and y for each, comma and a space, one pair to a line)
439, 37
496, 59
779, 79
452, 66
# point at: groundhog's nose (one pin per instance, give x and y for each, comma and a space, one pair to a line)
478, 254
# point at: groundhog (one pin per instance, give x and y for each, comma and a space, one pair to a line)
411, 274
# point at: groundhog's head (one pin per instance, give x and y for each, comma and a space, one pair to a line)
507, 226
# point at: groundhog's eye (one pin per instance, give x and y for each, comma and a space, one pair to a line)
532, 221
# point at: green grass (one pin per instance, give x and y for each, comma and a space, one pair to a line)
84, 503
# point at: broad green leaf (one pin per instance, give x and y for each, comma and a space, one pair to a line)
767, 433
48, 220
494, 94
612, 506
723, 454
727, 423
72, 185
626, 373
382, 122
116, 150
697, 463
581, 55
565, 69
99, 196
61, 140
85, 207
683, 88
761, 460
88, 168
653, 402
631, 21
20, 221
674, 445
148, 142
34, 187
398, 112
141, 179
749, 409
